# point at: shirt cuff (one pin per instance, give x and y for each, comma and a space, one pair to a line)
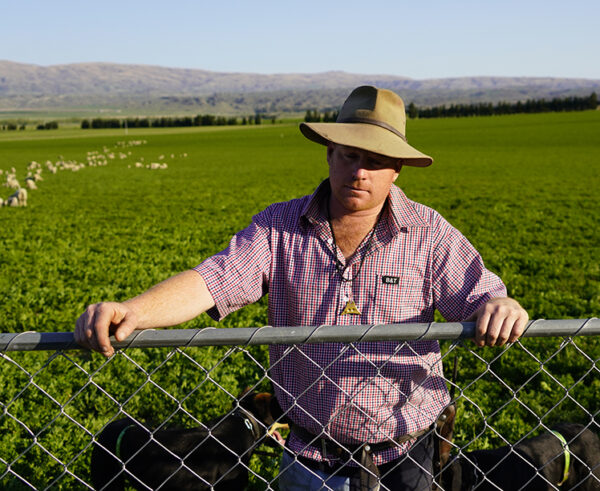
213, 283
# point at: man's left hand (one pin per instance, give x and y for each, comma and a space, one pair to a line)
498, 321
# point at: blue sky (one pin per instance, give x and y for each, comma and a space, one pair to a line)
417, 39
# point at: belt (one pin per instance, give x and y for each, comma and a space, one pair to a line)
332, 447
339, 468
369, 473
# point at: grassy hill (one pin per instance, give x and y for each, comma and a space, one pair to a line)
140, 89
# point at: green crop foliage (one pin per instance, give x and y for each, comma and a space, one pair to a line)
521, 188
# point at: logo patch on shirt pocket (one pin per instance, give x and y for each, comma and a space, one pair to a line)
400, 298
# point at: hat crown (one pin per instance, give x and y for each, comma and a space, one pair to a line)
371, 119
371, 105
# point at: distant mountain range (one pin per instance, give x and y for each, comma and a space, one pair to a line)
155, 89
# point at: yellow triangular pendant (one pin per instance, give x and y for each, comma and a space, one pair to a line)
350, 308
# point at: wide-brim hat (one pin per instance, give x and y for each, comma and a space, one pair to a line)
371, 119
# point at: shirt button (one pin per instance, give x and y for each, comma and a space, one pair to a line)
330, 241
345, 298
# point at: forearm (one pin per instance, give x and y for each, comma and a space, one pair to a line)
176, 300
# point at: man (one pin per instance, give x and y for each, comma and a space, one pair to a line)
356, 251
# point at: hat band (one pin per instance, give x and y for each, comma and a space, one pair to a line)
376, 122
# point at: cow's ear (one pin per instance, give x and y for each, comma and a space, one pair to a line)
262, 407
240, 398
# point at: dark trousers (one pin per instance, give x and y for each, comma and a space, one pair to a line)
413, 471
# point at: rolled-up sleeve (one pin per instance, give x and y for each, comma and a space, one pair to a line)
239, 275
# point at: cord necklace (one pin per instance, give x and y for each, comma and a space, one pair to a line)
350, 307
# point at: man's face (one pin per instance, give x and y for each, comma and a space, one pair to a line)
360, 180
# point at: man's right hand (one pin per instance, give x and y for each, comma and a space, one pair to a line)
173, 301
99, 321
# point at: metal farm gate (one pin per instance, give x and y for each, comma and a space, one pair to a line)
56, 398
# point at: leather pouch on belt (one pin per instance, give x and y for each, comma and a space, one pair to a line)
369, 473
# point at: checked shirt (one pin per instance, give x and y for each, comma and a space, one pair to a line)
362, 392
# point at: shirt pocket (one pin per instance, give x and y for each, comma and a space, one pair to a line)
401, 297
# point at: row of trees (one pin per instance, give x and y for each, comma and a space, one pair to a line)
481, 109
489, 109
11, 126
52, 125
168, 122
314, 116
454, 110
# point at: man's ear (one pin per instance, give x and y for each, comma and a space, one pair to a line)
398, 168
330, 150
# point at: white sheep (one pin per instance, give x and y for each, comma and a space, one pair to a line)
30, 183
22, 195
35, 177
11, 182
18, 198
12, 201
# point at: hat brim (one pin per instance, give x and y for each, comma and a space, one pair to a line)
367, 137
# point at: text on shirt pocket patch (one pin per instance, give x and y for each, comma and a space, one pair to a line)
400, 298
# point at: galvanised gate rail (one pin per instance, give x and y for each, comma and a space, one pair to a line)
55, 405
247, 336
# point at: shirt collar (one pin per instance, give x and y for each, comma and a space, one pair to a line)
315, 210
401, 212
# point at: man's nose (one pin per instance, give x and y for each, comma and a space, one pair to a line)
359, 169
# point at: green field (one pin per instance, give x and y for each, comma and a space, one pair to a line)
521, 188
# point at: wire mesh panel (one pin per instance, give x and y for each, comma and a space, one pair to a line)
60, 403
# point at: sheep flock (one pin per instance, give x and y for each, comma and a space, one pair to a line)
94, 158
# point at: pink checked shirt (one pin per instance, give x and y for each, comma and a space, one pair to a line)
363, 392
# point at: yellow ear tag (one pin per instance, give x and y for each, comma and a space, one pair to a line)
277, 426
350, 308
